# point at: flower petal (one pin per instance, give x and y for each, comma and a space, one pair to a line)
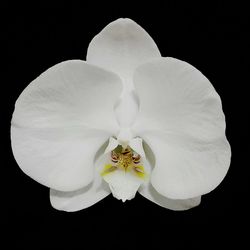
123, 185
187, 167
61, 120
71, 93
182, 121
175, 96
82, 198
124, 182
120, 47
151, 194
77, 200
60, 158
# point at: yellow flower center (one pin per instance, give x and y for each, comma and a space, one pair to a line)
126, 160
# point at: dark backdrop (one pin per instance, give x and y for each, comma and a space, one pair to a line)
213, 38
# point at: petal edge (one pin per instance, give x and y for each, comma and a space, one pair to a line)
120, 47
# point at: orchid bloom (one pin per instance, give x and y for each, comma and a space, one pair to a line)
124, 120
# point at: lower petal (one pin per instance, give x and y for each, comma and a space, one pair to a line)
80, 199
84, 197
151, 194
187, 167
123, 185
60, 121
59, 158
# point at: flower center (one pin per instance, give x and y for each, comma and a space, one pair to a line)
124, 173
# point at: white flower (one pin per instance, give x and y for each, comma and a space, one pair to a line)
126, 120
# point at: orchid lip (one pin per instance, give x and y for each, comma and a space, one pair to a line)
124, 173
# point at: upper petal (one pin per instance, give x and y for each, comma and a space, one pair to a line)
182, 121
60, 121
71, 93
176, 97
120, 47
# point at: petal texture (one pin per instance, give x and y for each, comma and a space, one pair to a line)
182, 121
151, 194
71, 93
61, 120
175, 96
77, 200
82, 198
59, 158
187, 167
120, 47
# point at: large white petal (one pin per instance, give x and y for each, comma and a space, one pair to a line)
151, 194
120, 47
71, 93
82, 198
175, 96
182, 121
60, 158
78, 200
60, 121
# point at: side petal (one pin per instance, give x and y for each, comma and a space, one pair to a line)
61, 120
82, 198
151, 194
176, 97
120, 47
187, 167
77, 200
182, 121
59, 158
71, 93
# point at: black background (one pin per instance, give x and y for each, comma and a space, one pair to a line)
213, 38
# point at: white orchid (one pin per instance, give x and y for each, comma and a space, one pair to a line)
126, 120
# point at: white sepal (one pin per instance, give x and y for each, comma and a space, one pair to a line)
120, 47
